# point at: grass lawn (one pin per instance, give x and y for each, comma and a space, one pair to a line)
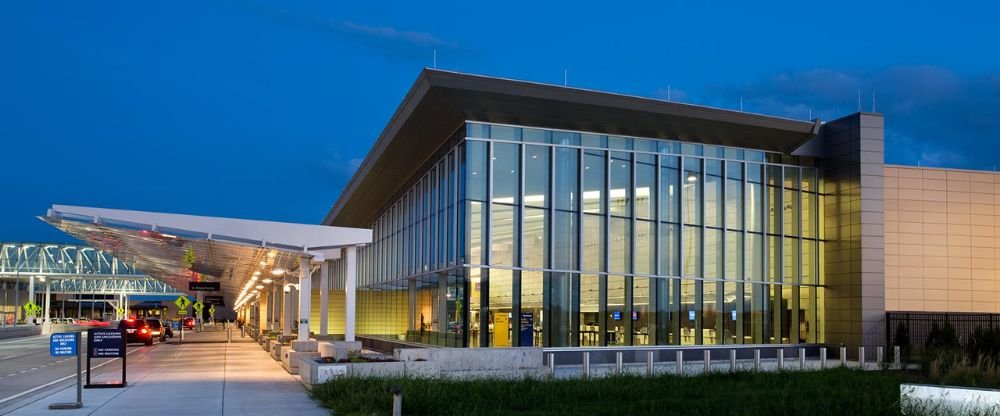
831, 392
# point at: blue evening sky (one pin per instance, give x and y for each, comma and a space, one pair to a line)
263, 109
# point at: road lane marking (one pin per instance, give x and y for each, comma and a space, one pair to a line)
5, 400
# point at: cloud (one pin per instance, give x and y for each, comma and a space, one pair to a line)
391, 42
934, 116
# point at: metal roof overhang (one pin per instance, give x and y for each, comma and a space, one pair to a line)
225, 250
440, 101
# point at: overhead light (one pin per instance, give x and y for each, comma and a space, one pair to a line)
253, 278
263, 263
278, 272
271, 254
266, 281
260, 286
692, 177
256, 273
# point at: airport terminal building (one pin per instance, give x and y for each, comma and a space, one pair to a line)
500, 213
508, 213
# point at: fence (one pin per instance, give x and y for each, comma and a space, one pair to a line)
916, 326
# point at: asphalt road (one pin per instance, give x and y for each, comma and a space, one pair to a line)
25, 364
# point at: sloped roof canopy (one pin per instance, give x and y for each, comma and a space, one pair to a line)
224, 250
440, 101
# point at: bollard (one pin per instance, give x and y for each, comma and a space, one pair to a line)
861, 357
680, 363
552, 363
756, 360
397, 399
586, 364
708, 360
897, 361
878, 356
781, 359
843, 356
802, 358
618, 362
732, 361
649, 364
822, 358
229, 335
243, 333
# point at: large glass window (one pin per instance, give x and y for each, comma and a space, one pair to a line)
562, 303
692, 191
645, 186
754, 199
590, 302
506, 173
713, 253
536, 238
621, 184
692, 251
617, 312
641, 308
713, 193
529, 328
734, 255
594, 179
501, 299
711, 317
505, 235
475, 174
565, 234
669, 189
620, 254
734, 195
567, 183
593, 242
645, 247
670, 252
536, 176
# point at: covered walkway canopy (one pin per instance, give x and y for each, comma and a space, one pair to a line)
236, 253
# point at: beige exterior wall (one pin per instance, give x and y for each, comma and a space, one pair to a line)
942, 240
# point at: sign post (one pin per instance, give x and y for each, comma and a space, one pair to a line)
67, 344
106, 343
182, 303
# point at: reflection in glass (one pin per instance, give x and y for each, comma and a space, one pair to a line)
505, 235
669, 189
640, 311
593, 242
645, 247
713, 193
617, 311
590, 300
670, 254
535, 238
567, 182
536, 176
645, 186
506, 173
621, 184
531, 310
734, 255
593, 181
500, 308
692, 251
620, 253
713, 249
692, 191
565, 235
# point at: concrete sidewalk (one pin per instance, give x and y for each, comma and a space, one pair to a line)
202, 376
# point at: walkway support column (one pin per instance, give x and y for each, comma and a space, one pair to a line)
324, 297
286, 310
46, 322
305, 298
350, 289
31, 298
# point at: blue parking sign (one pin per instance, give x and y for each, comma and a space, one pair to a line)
62, 344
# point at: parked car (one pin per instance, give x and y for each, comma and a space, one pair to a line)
136, 330
158, 330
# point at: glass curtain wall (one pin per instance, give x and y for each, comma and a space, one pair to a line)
515, 236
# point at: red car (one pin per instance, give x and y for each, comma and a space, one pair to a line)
188, 322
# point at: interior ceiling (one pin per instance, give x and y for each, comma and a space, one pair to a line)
163, 256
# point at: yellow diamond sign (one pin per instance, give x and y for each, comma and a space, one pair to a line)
121, 310
182, 302
198, 306
211, 311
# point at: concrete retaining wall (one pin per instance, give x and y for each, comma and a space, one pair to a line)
919, 399
21, 331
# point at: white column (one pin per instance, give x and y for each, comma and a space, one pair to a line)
47, 324
324, 297
305, 298
350, 289
272, 306
31, 298
286, 311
